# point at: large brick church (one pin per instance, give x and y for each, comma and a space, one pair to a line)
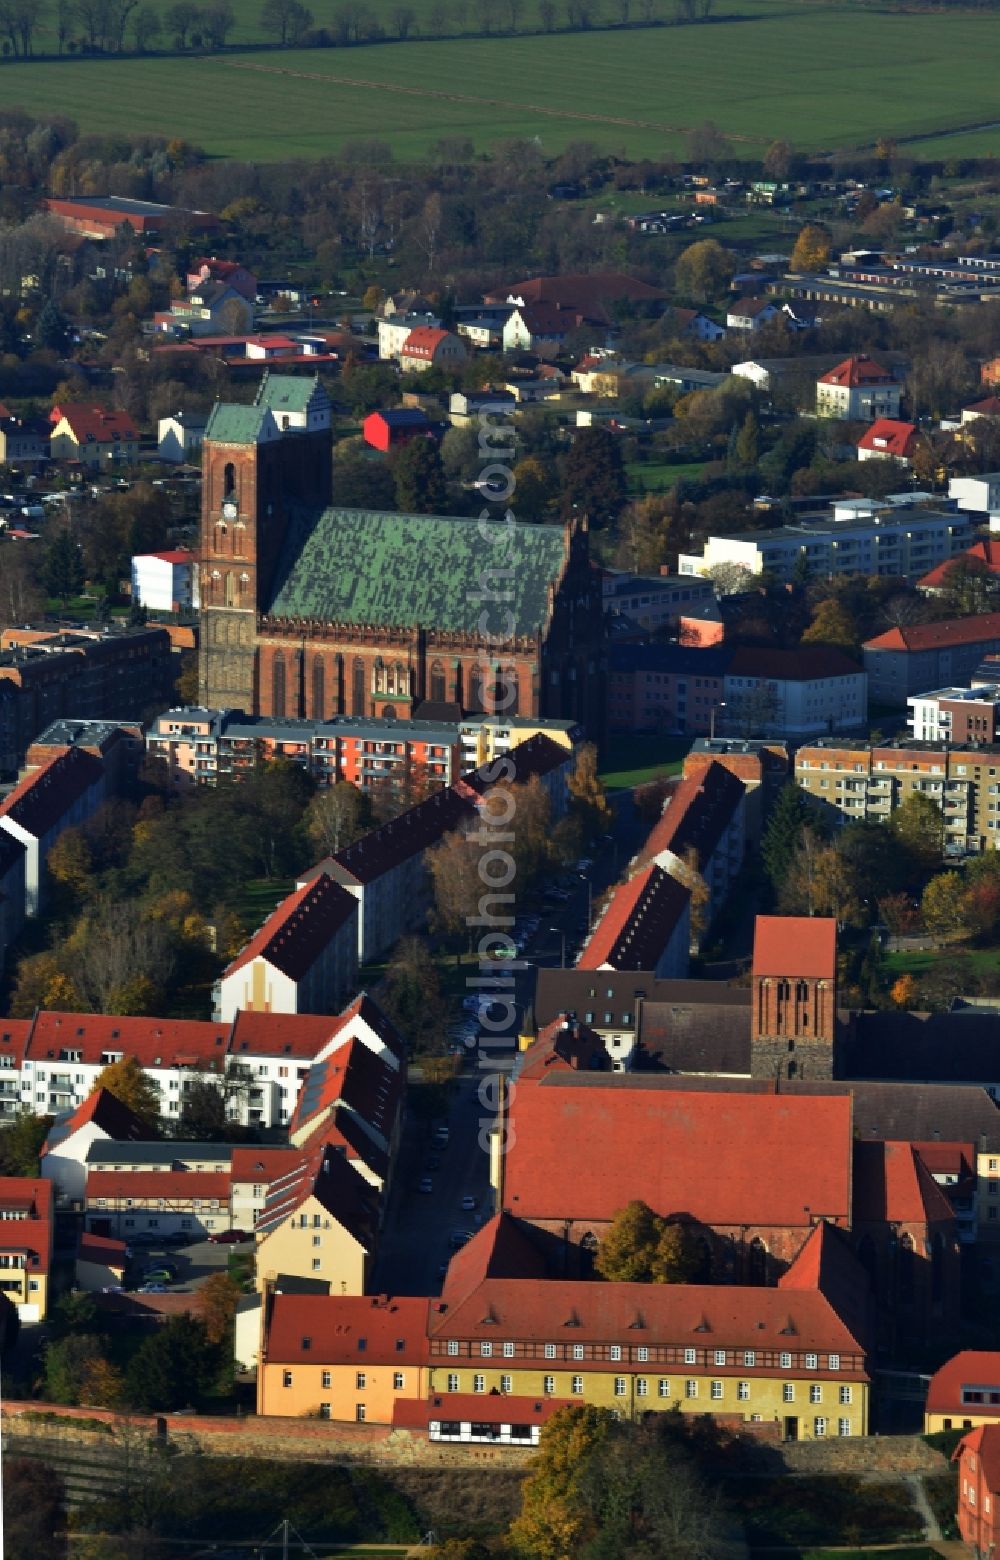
310, 610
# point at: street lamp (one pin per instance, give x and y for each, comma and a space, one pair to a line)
590, 895
562, 935
711, 729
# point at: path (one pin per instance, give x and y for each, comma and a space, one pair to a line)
932, 1528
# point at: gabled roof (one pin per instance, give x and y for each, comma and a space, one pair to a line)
593, 294
355, 1078
396, 570
97, 424
638, 922
103, 1110
173, 1185
326, 1176
750, 308
101, 1249
889, 437
300, 929
401, 417
985, 1442
939, 636
986, 551
32, 1195
734, 1158
334, 1330
826, 1263
971, 1368
423, 341
287, 392
45, 795
795, 945
503, 1248
154, 1042
298, 1035
989, 406
262, 1164
893, 1185
396, 841
856, 372
696, 815
806, 663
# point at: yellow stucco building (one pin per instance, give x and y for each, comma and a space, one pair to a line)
26, 1245
320, 1223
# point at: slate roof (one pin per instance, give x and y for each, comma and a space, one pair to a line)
615, 991
300, 930
46, 794
699, 1037
961, 1047
638, 922
358, 566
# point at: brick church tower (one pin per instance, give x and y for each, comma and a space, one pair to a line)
258, 461
794, 1010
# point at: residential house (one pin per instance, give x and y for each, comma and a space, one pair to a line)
303, 959
428, 346
251, 1173
956, 716
693, 324
180, 436
593, 294
664, 687
888, 440
793, 693
394, 331
751, 314
987, 406
858, 390
320, 1221
646, 925
13, 857
920, 656
761, 766
964, 1393
208, 309
978, 1514
26, 1239
653, 601
986, 553
22, 443
166, 581
385, 431
125, 1203
66, 791
93, 435
231, 272
700, 839
541, 328
101, 1118
354, 1087
469, 406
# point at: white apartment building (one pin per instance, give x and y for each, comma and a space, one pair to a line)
392, 332
165, 581
904, 542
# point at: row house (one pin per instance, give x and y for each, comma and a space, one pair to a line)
700, 839
862, 782
646, 925
50, 1063
66, 791
319, 1222
467, 1366
26, 1234
304, 959
101, 1118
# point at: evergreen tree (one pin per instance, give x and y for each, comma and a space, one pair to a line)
780, 842
52, 329
419, 477
62, 571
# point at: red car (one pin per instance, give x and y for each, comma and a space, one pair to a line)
229, 1237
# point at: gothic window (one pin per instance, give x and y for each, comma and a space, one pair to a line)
278, 684
398, 680
230, 588
475, 701
509, 691
220, 538
757, 1262
589, 1247
319, 689
905, 1270
801, 991
438, 688
379, 676
229, 480
358, 705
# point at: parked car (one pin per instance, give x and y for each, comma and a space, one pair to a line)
470, 1204
166, 1274
425, 1185
153, 1289
229, 1237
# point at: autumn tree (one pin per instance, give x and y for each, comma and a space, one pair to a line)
594, 481
412, 998
456, 887
21, 1144
587, 796
69, 864
217, 1300
777, 160
703, 270
553, 1523
419, 477
640, 1247
812, 248
918, 825
535, 488
903, 991
129, 1084
942, 905
833, 624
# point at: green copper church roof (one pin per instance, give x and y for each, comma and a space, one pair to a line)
285, 392
230, 423
354, 566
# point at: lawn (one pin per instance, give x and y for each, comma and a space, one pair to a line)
634, 760
981, 961
655, 478
821, 78
838, 1509
258, 897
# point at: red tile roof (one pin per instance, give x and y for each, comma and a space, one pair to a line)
584, 1146
638, 923
173, 1185
591, 293
970, 1368
855, 372
32, 1237
984, 1441
503, 1248
326, 1175
262, 1164
301, 1036
696, 815
24, 1193
355, 1079
790, 945
336, 1325
893, 1185
423, 341
45, 795
300, 930
986, 552
827, 1263
154, 1042
989, 406
105, 1111
889, 437
102, 1249
98, 424
482, 1408
939, 636
177, 555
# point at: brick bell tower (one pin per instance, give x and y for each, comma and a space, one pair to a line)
257, 461
794, 1009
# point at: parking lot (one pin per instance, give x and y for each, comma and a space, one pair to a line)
193, 1263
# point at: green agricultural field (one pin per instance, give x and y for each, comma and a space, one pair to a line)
821, 78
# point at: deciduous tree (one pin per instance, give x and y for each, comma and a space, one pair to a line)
218, 1298
812, 248
553, 1523
128, 1083
942, 905
704, 270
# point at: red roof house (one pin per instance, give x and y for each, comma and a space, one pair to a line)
803, 945
645, 926
985, 552
978, 1515
888, 439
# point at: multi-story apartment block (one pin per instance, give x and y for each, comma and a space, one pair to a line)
889, 542
922, 656
864, 782
304, 959
950, 715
